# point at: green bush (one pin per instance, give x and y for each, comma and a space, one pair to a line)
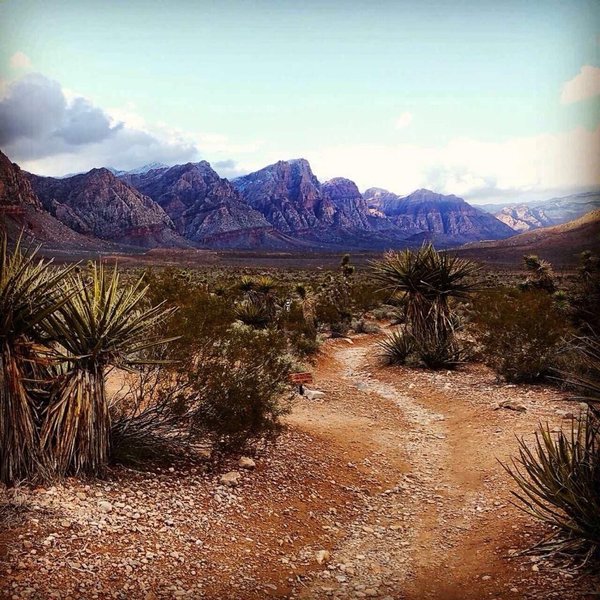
521, 332
241, 382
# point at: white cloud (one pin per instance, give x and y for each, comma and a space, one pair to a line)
404, 120
20, 60
519, 167
586, 84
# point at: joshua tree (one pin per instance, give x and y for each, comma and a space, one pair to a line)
426, 280
27, 296
100, 325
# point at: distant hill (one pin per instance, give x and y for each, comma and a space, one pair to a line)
560, 244
525, 216
444, 219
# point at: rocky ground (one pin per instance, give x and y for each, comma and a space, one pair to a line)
387, 486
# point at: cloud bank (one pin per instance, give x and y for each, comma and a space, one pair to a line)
483, 172
50, 131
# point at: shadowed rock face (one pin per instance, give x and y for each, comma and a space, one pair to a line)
99, 204
289, 195
201, 204
444, 217
15, 188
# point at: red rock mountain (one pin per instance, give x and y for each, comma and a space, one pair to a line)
100, 205
206, 208
22, 213
290, 197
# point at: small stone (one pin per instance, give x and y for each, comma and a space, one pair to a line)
313, 394
321, 556
105, 506
246, 463
512, 405
231, 479
486, 577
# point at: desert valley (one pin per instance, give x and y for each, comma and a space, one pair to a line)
300, 300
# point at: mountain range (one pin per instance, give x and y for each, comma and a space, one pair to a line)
544, 213
282, 206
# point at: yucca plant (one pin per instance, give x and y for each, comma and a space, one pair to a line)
253, 311
559, 483
28, 294
541, 274
396, 347
102, 324
427, 279
559, 477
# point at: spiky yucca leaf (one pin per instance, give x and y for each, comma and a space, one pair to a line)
28, 294
559, 481
102, 324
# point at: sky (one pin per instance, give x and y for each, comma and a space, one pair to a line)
492, 101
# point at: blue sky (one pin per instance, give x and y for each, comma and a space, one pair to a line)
477, 98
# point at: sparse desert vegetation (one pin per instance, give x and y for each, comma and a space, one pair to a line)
119, 381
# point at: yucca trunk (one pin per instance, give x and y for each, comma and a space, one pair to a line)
76, 430
18, 438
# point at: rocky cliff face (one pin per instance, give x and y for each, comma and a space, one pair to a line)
427, 215
16, 192
290, 197
204, 207
523, 218
99, 204
22, 213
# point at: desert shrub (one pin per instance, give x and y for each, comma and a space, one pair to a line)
201, 315
586, 295
151, 416
241, 383
559, 477
396, 347
521, 332
540, 274
298, 323
385, 312
427, 280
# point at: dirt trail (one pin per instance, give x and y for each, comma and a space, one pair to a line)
387, 487
439, 525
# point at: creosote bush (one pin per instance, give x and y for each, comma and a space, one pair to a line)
521, 332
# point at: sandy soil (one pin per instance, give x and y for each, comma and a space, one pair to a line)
389, 486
